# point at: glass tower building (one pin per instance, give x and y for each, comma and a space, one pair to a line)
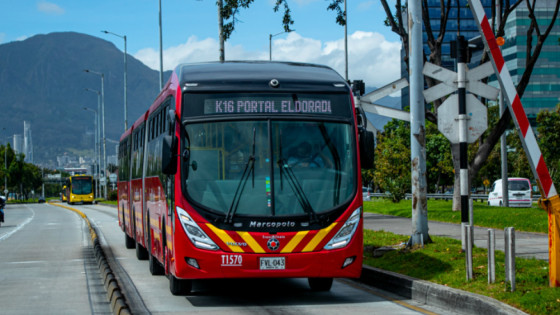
543, 90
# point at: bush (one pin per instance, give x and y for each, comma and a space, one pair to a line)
113, 195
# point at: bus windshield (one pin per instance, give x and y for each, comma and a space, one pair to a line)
81, 186
265, 168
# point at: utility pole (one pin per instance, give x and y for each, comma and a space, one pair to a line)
417, 127
503, 144
463, 145
221, 29
160, 52
345, 41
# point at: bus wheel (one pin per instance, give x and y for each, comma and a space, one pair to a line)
141, 252
156, 269
320, 284
179, 286
129, 241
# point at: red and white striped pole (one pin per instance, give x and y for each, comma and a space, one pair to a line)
528, 139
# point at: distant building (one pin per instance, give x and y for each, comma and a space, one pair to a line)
75, 170
18, 144
543, 91
27, 142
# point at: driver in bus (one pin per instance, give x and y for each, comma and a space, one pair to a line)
305, 156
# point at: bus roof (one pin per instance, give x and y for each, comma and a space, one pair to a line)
126, 134
140, 120
257, 75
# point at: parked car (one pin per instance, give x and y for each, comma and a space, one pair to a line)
519, 190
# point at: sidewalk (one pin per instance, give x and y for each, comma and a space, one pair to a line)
526, 244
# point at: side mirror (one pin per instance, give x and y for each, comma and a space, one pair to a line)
169, 147
169, 155
171, 120
366, 140
367, 145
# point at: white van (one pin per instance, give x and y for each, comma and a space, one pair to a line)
519, 190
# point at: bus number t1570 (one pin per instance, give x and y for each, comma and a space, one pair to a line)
232, 260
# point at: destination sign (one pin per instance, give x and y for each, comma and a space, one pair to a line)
243, 104
267, 106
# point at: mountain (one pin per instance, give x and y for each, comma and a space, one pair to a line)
42, 80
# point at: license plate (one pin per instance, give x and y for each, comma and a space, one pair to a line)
273, 263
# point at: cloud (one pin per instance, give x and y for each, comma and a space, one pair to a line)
371, 57
2, 36
49, 8
366, 5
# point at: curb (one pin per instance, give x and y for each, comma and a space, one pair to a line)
114, 294
434, 294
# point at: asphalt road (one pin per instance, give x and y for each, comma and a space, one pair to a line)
526, 244
148, 294
47, 264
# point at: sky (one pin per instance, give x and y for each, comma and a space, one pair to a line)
190, 32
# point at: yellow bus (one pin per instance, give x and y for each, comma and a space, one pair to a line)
79, 189
64, 193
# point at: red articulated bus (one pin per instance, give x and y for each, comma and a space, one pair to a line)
246, 170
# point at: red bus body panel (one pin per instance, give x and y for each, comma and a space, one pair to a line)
123, 202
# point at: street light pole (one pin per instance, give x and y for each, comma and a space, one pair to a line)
103, 120
95, 142
98, 143
270, 43
5, 168
345, 41
125, 85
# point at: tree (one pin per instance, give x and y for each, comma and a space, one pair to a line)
435, 41
549, 136
439, 166
393, 147
230, 11
5, 171
112, 168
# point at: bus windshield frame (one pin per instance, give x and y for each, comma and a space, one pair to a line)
80, 185
229, 175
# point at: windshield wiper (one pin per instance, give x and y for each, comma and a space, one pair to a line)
297, 189
249, 169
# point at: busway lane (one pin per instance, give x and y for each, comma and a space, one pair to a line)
150, 294
47, 264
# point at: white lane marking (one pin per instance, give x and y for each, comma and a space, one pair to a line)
20, 226
41, 261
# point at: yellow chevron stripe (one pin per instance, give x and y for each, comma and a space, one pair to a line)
168, 238
318, 238
251, 242
225, 238
294, 242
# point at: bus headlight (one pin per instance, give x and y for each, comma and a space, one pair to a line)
194, 232
345, 234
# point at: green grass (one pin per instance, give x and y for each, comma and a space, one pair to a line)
108, 202
522, 219
443, 262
